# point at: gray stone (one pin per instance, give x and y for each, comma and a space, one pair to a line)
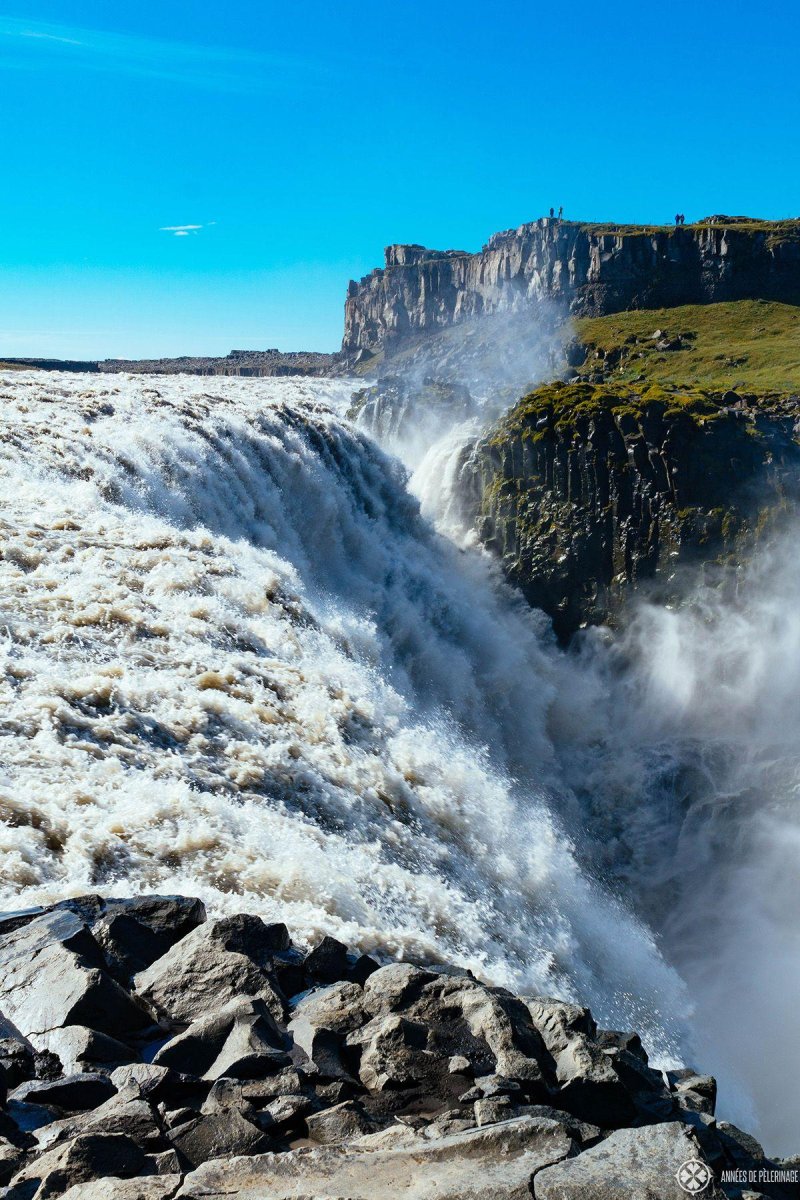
486, 1086
742, 1148
341, 1123
11, 1159
494, 1109
630, 1162
558, 1022
590, 1088
166, 1162
17, 1054
78, 1048
78, 1162
161, 1085
285, 1112
493, 1018
217, 1135
132, 1116
338, 1007
217, 962
52, 974
157, 1187
580, 1131
135, 932
360, 970
225, 1094
391, 987
698, 1092
73, 1092
285, 1082
241, 1039
392, 1054
327, 962
144, 1077
496, 1163
324, 1049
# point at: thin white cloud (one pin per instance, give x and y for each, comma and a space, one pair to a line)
215, 67
183, 230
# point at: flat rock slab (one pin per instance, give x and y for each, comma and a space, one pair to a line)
641, 1163
158, 1187
73, 1092
496, 1163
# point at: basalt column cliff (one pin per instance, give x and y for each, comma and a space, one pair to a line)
593, 269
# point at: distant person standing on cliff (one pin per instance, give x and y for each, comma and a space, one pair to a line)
552, 213
561, 212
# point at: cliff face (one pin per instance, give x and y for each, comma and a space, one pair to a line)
584, 491
590, 269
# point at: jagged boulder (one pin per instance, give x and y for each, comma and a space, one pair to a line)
215, 963
77, 1162
53, 974
241, 1040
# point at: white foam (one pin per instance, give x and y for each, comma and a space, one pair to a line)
239, 664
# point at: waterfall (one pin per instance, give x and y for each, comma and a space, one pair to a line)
241, 662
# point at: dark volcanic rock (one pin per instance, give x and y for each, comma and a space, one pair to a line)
327, 962
215, 963
590, 269
386, 1081
52, 973
88, 1157
73, 1092
79, 1049
217, 1135
240, 1040
587, 491
341, 1123
126, 1114
134, 933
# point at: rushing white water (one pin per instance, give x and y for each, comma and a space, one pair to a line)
679, 753
238, 663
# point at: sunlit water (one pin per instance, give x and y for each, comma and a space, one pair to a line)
239, 663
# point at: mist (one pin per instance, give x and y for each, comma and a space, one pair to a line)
694, 791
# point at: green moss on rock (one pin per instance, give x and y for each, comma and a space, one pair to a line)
586, 489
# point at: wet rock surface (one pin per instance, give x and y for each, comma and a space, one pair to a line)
366, 1081
587, 491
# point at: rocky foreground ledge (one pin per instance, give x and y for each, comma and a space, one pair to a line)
148, 1053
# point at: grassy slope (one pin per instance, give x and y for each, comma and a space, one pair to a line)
748, 345
775, 231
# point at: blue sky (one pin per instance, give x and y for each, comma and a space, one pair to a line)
294, 140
